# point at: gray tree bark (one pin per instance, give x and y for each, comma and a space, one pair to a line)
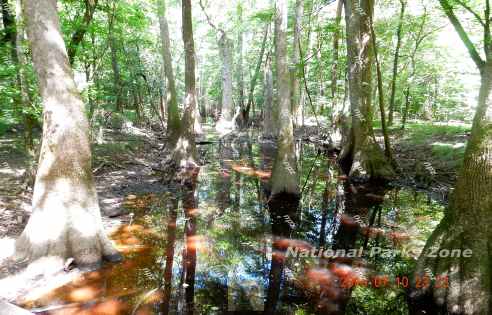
284, 174
64, 191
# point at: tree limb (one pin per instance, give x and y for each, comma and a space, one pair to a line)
448, 9
209, 20
469, 9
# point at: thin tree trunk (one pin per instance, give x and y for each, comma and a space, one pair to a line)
269, 122
334, 67
295, 87
9, 28
387, 145
239, 70
78, 35
64, 191
171, 96
254, 79
395, 61
114, 60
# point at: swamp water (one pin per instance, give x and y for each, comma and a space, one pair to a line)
220, 249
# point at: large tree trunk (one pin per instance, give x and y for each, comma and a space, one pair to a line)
361, 156
284, 173
295, 88
183, 144
171, 96
64, 191
395, 62
466, 225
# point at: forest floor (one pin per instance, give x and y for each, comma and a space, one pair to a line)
123, 162
435, 148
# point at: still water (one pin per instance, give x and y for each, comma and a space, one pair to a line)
220, 247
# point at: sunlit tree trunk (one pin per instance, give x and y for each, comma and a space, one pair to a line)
361, 155
226, 120
64, 195
467, 223
284, 175
395, 61
171, 96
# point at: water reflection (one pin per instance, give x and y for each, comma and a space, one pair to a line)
220, 244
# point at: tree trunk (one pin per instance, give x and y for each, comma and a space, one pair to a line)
191, 119
78, 35
466, 225
254, 79
295, 87
361, 155
226, 121
184, 150
239, 70
171, 96
114, 61
406, 109
334, 67
64, 191
387, 146
9, 28
269, 121
284, 173
395, 62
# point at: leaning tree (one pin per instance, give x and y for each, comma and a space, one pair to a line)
467, 223
66, 220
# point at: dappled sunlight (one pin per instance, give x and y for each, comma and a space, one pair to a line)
250, 171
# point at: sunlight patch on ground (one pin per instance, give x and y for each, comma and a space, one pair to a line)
450, 145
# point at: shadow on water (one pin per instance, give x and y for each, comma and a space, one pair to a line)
223, 245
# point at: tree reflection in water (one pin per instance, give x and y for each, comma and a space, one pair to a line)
213, 257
